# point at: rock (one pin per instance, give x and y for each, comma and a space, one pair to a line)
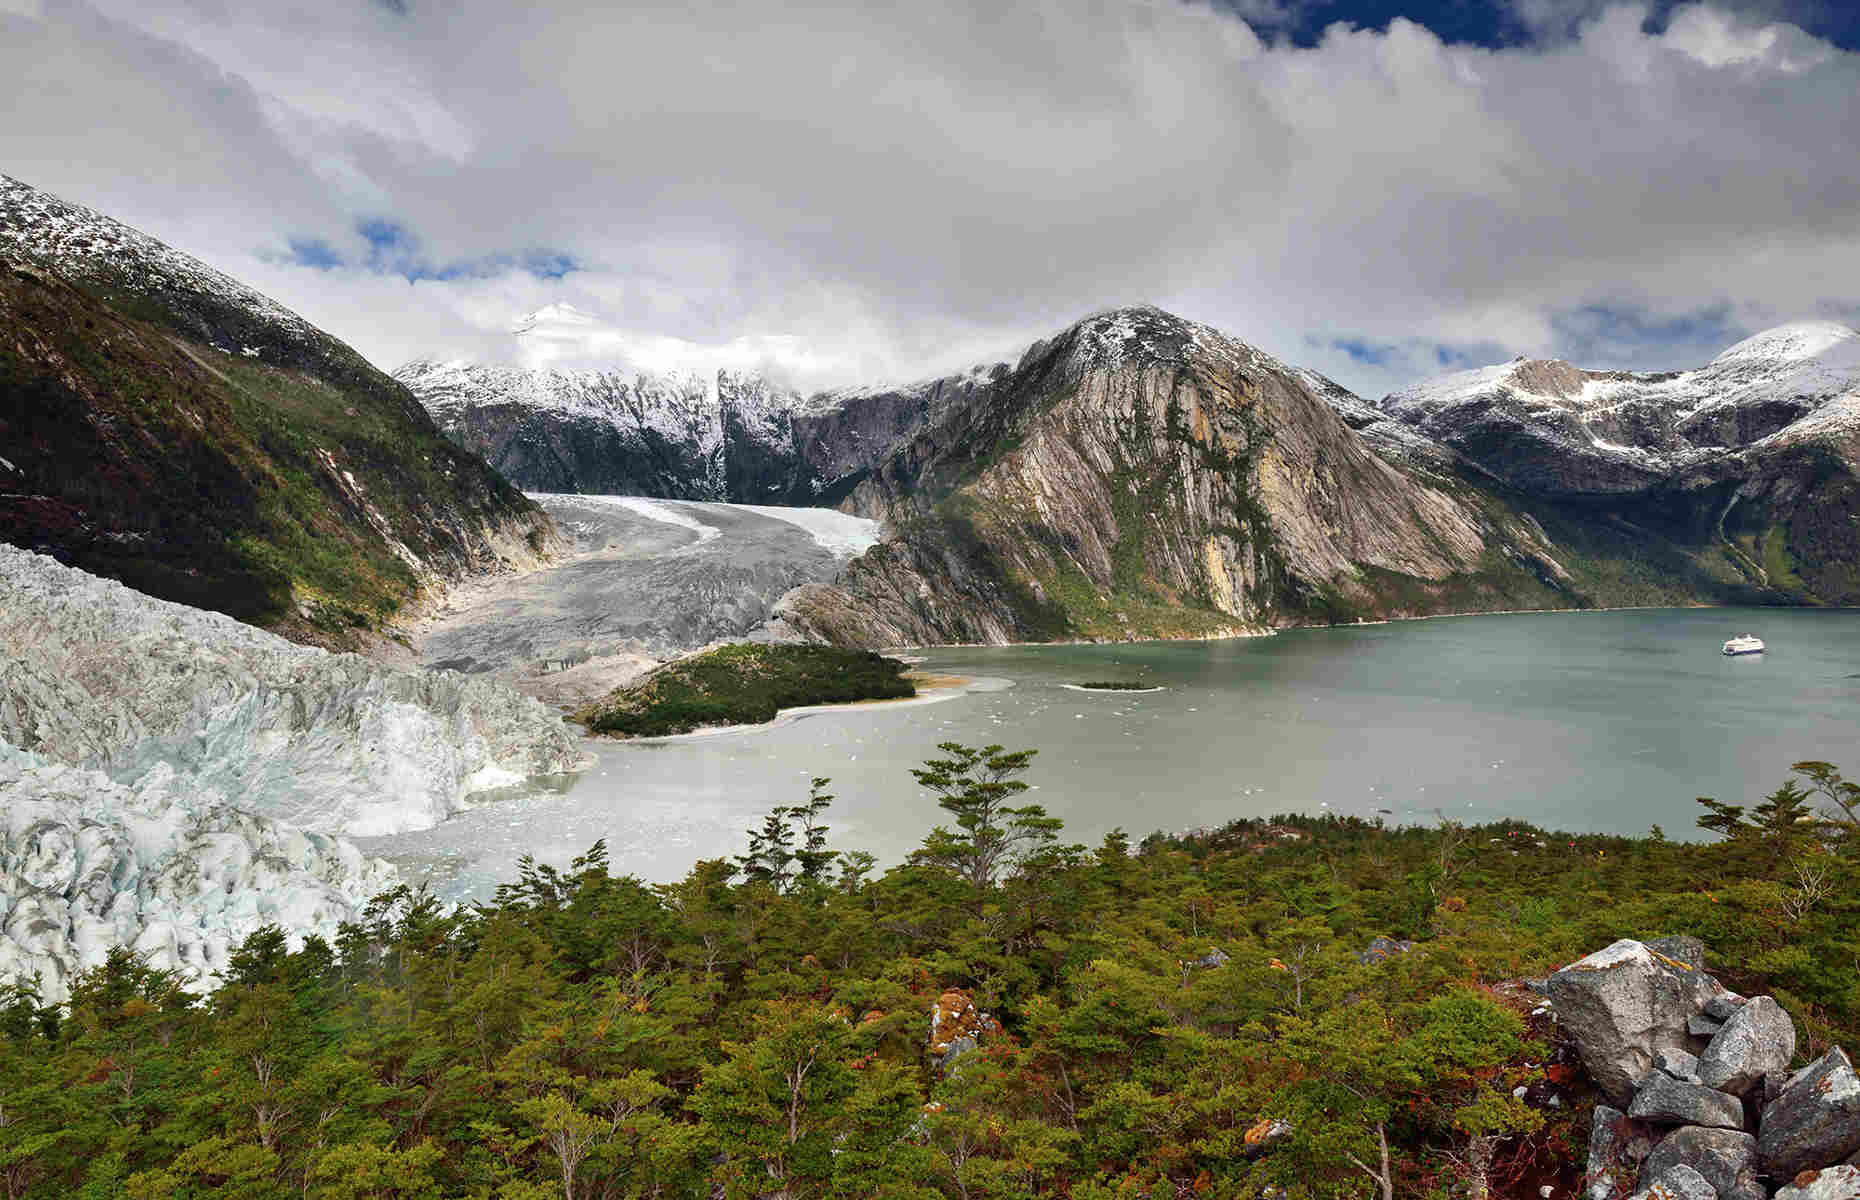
1726, 1158
1265, 1134
1621, 1005
1758, 1039
1213, 958
1724, 1006
1679, 1183
1664, 1100
1816, 1120
956, 1028
1703, 1026
1688, 952
1617, 1144
1381, 949
1680, 1064
1829, 1183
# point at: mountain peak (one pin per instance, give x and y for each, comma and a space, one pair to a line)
1793, 342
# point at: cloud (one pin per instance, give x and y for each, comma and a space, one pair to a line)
881, 189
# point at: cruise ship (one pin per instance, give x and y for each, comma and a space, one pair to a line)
1744, 643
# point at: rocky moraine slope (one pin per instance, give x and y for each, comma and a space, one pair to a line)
167, 426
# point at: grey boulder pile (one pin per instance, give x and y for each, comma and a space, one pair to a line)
1710, 1113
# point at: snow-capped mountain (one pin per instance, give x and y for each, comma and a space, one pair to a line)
1555, 429
665, 418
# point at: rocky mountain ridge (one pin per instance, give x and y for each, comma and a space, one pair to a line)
1140, 475
724, 434
1751, 458
171, 427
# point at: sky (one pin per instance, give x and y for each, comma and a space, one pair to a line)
857, 191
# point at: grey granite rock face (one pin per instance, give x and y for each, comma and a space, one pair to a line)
1664, 1100
1829, 1183
1724, 1006
1680, 1064
1617, 1146
1758, 1038
1679, 1183
1816, 1120
1622, 1005
1702, 1026
1726, 1158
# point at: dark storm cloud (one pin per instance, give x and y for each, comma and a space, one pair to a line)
896, 186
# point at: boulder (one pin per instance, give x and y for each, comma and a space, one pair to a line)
1758, 1039
1725, 1157
1830, 1183
956, 1028
1617, 1144
1724, 1006
1663, 1100
1816, 1120
1679, 1183
1623, 1004
1680, 1064
1381, 949
1700, 1025
1266, 1133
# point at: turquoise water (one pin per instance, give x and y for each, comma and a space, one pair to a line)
1609, 722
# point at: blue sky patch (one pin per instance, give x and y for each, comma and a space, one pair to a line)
1496, 25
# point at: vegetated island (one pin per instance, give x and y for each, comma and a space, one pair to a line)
744, 684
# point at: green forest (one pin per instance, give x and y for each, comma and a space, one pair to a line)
1194, 1015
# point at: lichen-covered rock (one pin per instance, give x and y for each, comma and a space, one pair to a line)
1617, 1146
956, 1028
1683, 949
1816, 1120
1829, 1183
1678, 1183
1758, 1038
1623, 1004
1664, 1100
1701, 1026
1727, 1158
1264, 1134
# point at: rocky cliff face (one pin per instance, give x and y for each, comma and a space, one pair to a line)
717, 435
1141, 476
170, 427
1749, 460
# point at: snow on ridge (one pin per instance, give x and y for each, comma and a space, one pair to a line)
1791, 342
85, 243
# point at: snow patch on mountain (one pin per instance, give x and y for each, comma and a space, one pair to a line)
85, 244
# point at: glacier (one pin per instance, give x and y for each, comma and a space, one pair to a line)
172, 779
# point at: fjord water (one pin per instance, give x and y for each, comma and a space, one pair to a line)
1602, 721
